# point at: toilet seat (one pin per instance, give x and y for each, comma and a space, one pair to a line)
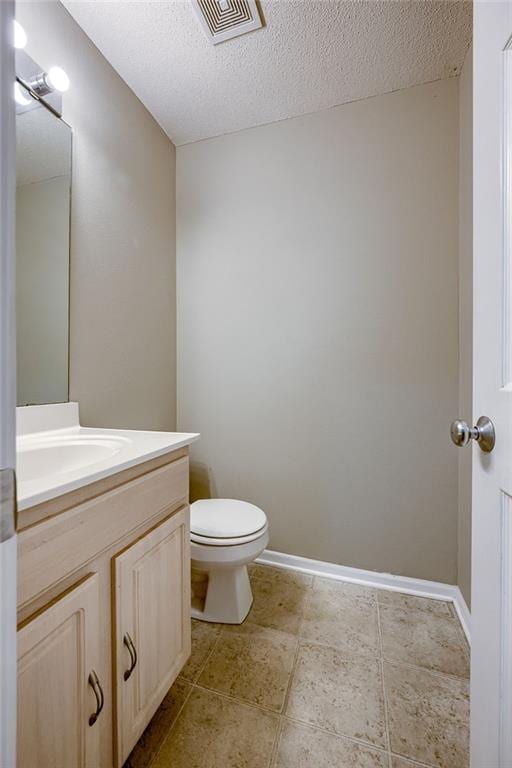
210, 541
226, 522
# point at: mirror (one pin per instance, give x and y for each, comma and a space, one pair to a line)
43, 198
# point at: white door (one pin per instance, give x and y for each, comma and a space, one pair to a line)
491, 605
7, 395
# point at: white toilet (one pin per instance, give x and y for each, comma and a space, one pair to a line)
225, 535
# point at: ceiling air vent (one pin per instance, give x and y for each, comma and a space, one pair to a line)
223, 19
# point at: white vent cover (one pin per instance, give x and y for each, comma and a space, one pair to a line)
223, 19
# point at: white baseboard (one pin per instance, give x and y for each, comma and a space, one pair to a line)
435, 590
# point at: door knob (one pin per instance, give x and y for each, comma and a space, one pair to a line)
484, 434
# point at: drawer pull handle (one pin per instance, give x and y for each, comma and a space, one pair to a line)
133, 655
98, 692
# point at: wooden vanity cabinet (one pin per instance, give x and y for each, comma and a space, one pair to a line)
104, 614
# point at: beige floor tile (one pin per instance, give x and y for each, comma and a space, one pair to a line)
204, 637
159, 727
423, 639
279, 598
334, 619
336, 685
252, 663
303, 747
341, 695
401, 600
345, 588
215, 732
428, 716
278, 575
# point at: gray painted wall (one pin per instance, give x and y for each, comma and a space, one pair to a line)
465, 317
318, 327
122, 356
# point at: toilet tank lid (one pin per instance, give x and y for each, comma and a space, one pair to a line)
225, 518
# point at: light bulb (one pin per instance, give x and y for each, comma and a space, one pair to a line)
57, 79
20, 36
20, 97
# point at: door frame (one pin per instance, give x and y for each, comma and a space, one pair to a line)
7, 391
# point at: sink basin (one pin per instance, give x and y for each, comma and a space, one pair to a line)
55, 455
41, 457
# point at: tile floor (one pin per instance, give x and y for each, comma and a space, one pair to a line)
322, 674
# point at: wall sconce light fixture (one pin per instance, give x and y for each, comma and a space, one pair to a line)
33, 85
49, 82
20, 36
21, 95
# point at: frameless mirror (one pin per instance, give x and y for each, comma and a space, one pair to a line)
43, 191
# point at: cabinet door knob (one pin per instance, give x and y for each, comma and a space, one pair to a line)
98, 692
133, 655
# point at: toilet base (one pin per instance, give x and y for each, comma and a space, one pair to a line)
228, 597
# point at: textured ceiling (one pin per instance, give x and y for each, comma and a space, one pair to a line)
311, 55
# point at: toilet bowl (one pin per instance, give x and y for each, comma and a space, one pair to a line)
225, 535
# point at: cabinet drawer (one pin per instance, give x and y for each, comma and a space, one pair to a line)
152, 624
55, 548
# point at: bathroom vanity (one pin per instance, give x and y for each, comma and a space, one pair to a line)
103, 585
103, 592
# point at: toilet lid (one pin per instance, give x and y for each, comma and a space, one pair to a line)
225, 518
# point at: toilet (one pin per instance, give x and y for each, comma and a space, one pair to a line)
225, 535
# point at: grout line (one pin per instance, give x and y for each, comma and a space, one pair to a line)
418, 612
449, 616
411, 760
361, 657
208, 656
180, 710
384, 696
350, 656
352, 739
290, 679
220, 630
343, 652
190, 684
305, 607
277, 741
434, 672
243, 702
307, 603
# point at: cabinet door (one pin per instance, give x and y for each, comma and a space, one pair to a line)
57, 654
152, 605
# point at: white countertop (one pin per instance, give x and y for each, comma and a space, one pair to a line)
51, 462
